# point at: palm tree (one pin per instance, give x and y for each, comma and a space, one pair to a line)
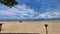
9, 3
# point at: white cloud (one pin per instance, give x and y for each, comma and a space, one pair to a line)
51, 14
55, 13
17, 12
24, 12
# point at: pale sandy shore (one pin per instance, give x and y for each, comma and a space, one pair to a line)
31, 27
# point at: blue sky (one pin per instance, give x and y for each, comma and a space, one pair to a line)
31, 9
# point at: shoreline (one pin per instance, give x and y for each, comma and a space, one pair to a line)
28, 20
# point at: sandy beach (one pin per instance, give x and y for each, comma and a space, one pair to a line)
31, 27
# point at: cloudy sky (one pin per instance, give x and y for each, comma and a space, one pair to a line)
31, 9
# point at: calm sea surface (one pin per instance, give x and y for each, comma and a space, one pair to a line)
26, 20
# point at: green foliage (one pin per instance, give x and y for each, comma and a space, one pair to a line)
9, 3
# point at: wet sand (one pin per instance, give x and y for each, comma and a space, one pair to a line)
31, 27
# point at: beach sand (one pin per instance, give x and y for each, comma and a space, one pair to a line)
31, 27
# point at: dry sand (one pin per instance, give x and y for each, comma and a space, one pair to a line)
31, 27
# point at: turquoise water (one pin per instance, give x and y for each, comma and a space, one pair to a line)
14, 20
26, 20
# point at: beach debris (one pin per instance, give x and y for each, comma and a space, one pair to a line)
20, 21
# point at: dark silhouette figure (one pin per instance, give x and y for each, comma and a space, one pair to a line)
46, 28
0, 26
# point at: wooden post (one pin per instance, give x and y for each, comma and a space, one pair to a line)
46, 28
0, 26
